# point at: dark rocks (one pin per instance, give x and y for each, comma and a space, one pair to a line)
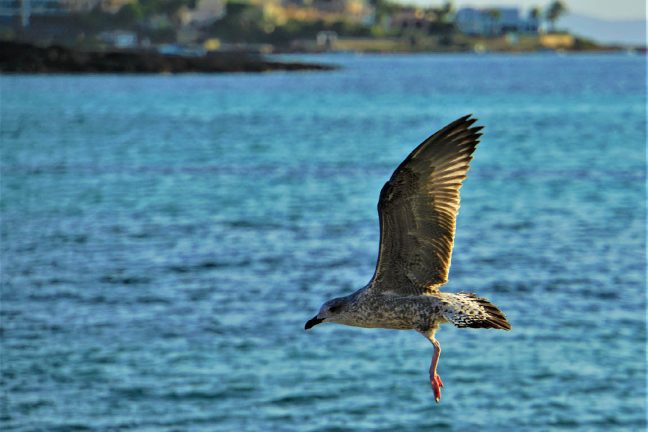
18, 57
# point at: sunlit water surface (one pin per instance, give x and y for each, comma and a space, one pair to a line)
164, 239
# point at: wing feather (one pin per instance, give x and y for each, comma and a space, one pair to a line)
418, 207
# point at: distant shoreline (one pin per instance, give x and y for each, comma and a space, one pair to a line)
24, 58
17, 57
545, 42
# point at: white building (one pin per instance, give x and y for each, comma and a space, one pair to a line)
80, 5
57, 7
26, 8
113, 6
493, 21
119, 38
205, 13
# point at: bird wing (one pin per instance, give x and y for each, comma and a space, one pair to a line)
417, 209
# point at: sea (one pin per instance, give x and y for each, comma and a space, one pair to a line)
164, 238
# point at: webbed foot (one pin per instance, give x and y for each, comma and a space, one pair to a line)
436, 382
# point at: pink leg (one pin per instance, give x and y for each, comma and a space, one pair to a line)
435, 379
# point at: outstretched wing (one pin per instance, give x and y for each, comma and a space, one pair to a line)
417, 209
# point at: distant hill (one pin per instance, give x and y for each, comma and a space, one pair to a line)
628, 32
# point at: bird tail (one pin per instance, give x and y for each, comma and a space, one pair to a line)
468, 310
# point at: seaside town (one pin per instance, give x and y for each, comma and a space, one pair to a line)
174, 36
194, 27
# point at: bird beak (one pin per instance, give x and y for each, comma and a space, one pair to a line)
312, 322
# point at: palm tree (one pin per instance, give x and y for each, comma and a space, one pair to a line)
446, 11
535, 17
554, 11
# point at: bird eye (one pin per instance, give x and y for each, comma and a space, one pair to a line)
335, 309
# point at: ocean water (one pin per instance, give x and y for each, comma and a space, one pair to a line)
164, 239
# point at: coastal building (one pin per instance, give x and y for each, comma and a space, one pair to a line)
10, 8
78, 6
25, 9
119, 38
207, 12
326, 39
412, 18
493, 21
331, 6
357, 11
557, 41
204, 14
113, 6
430, 21
31, 7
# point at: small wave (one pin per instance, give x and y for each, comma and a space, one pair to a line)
29, 406
565, 423
207, 265
69, 427
132, 393
195, 395
518, 287
148, 299
124, 280
55, 296
303, 399
260, 225
515, 226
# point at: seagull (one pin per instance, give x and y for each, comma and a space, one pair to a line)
417, 210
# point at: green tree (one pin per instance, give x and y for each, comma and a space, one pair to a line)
446, 12
555, 10
384, 8
129, 15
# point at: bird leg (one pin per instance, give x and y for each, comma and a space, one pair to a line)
435, 379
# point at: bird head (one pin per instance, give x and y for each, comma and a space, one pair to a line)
331, 311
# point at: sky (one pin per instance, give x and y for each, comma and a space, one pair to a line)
605, 9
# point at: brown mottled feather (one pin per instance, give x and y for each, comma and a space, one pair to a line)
417, 209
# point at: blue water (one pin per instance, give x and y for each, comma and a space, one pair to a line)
164, 239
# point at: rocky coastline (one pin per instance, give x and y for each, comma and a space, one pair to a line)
24, 58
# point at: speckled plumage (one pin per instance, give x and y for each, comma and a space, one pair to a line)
418, 208
371, 309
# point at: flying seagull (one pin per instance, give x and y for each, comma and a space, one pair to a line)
417, 209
